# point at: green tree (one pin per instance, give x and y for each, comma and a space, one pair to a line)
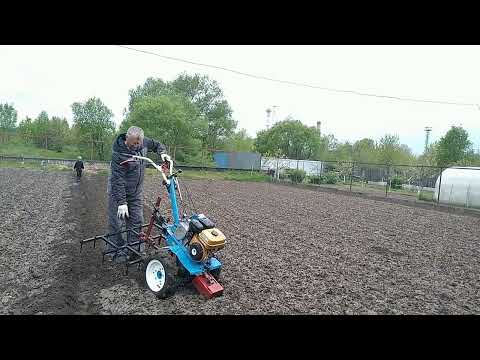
58, 132
207, 95
343, 152
8, 120
454, 147
200, 91
41, 130
93, 122
289, 138
327, 148
151, 88
390, 151
26, 130
45, 132
239, 141
429, 157
388, 148
473, 159
365, 151
170, 119
8, 117
343, 170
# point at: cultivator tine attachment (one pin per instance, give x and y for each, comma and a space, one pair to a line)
131, 248
137, 262
135, 247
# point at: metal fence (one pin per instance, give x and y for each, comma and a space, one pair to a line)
100, 164
459, 186
97, 164
417, 182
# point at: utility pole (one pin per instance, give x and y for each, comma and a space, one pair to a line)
428, 129
269, 111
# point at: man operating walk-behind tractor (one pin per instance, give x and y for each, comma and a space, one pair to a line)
191, 241
125, 186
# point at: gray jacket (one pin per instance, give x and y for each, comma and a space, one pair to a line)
126, 181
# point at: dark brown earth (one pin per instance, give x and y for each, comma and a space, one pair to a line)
289, 251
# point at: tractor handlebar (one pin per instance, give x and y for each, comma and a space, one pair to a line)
159, 168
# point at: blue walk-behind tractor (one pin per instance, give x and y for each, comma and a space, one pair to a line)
182, 249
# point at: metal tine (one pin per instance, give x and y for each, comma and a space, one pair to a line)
133, 250
110, 234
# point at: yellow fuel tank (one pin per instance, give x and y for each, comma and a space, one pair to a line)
212, 239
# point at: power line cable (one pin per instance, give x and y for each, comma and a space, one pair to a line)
354, 92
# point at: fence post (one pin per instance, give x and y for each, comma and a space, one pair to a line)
439, 185
421, 182
386, 180
276, 174
174, 150
468, 195
351, 175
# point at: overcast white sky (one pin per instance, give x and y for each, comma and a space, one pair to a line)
51, 78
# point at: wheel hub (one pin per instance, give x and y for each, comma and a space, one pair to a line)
155, 275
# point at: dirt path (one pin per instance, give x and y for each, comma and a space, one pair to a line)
83, 276
42, 270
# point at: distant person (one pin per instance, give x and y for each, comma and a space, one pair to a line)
78, 167
125, 185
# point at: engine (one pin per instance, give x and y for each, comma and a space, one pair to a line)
202, 237
206, 243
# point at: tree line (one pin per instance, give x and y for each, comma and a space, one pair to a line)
192, 117
294, 140
189, 114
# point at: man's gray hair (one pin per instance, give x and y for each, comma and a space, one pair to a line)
135, 131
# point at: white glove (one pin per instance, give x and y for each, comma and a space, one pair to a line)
122, 211
165, 157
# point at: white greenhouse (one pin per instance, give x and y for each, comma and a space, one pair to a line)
459, 186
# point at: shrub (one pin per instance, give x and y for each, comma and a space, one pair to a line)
396, 182
328, 178
315, 179
297, 176
426, 196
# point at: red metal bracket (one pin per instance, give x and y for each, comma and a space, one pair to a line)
207, 285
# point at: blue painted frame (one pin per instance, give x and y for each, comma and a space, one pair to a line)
176, 246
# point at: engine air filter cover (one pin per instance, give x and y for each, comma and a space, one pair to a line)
212, 239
